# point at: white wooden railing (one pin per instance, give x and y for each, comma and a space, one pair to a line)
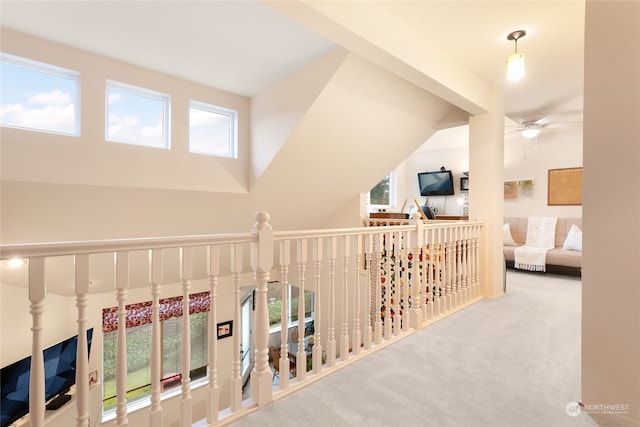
372, 286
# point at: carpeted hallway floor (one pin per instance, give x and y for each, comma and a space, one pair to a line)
513, 361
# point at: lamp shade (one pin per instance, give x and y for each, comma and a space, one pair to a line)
515, 66
530, 132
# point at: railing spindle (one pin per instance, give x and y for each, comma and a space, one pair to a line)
284, 363
344, 331
417, 285
450, 238
155, 266
82, 355
213, 271
368, 331
37, 292
317, 300
301, 355
122, 285
377, 288
236, 374
186, 273
388, 257
357, 334
331, 337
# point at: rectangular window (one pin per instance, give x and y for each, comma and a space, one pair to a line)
39, 97
139, 329
212, 130
137, 116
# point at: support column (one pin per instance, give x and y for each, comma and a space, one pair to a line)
486, 191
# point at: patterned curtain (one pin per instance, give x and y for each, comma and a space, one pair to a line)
140, 314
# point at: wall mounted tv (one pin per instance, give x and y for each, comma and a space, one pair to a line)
59, 372
436, 183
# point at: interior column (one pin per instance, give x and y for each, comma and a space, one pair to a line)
486, 191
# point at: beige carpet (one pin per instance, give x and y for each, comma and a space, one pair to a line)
514, 361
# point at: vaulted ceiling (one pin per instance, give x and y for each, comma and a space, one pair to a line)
246, 46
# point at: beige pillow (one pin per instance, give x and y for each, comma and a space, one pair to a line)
507, 238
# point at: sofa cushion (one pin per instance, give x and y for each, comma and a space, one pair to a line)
573, 242
562, 229
564, 258
507, 238
518, 227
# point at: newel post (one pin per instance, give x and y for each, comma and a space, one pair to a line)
261, 263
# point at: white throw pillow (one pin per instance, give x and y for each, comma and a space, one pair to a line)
507, 238
573, 242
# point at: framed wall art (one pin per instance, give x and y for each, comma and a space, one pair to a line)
565, 187
225, 329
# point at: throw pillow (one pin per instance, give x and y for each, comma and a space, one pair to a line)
507, 238
573, 242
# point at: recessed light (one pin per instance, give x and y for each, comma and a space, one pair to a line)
15, 262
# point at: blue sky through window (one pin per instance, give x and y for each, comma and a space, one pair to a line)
211, 132
137, 117
38, 97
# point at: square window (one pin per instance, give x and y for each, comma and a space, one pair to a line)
137, 116
212, 130
39, 97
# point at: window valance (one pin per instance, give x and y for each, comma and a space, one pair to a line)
140, 313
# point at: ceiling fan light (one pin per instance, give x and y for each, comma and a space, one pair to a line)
515, 66
530, 132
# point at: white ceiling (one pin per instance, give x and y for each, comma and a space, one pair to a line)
245, 46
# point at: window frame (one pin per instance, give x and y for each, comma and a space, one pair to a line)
393, 193
145, 93
291, 322
233, 127
53, 70
143, 400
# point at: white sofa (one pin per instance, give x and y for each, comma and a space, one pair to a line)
567, 260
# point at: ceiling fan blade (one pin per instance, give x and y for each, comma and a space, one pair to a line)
563, 125
546, 120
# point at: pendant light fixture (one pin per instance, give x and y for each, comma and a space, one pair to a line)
515, 62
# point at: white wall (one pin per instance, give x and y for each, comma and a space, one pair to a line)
525, 159
448, 148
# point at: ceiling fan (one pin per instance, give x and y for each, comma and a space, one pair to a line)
530, 127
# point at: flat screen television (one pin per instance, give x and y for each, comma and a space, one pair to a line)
436, 183
59, 372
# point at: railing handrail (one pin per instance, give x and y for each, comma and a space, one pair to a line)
65, 248
302, 234
26, 250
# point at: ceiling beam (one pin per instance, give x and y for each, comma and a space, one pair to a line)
370, 30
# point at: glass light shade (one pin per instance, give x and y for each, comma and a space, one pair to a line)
530, 132
515, 66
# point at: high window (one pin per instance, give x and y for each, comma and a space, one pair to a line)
383, 195
38, 96
137, 116
212, 130
139, 327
